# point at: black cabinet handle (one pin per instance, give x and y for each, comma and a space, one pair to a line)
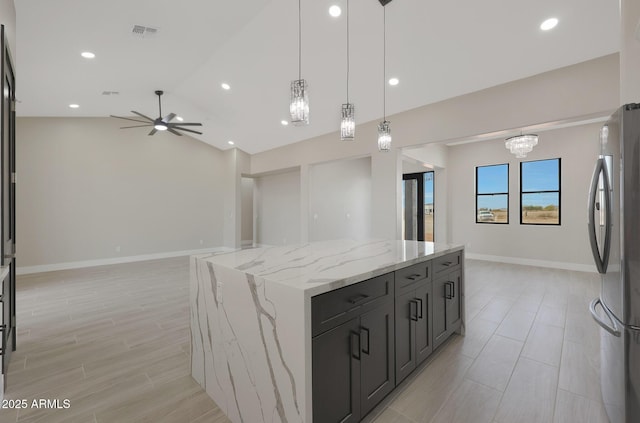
414, 276
362, 330
355, 345
453, 289
358, 299
447, 263
413, 312
419, 300
448, 290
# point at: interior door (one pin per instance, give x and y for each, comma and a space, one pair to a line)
7, 199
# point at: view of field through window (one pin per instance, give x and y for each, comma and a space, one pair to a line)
492, 194
540, 192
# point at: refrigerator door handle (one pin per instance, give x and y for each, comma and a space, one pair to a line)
612, 330
601, 264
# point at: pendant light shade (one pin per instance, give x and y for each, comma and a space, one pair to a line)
348, 112
520, 145
384, 136
299, 105
348, 122
299, 99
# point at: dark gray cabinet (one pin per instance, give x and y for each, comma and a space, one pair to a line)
447, 305
369, 336
353, 364
413, 310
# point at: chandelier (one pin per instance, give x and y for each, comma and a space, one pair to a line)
520, 145
299, 105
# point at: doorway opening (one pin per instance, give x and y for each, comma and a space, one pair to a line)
418, 214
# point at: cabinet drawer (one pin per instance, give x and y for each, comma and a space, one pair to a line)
336, 307
412, 274
449, 262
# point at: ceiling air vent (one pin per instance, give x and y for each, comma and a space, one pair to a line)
140, 31
110, 92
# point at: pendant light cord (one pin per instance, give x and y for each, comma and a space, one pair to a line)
299, 41
384, 63
347, 51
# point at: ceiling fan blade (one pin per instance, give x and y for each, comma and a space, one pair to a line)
141, 115
169, 117
174, 132
153, 131
188, 130
125, 118
186, 124
135, 126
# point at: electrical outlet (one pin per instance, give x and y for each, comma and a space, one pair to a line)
201, 242
117, 248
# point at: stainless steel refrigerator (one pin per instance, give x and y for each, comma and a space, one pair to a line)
614, 232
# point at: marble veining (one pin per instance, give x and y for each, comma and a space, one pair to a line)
250, 318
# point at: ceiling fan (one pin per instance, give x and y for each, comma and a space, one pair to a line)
161, 124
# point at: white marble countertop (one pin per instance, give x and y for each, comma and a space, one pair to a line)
322, 266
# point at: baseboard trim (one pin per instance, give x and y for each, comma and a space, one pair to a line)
530, 262
26, 270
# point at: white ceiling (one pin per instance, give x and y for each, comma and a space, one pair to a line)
438, 49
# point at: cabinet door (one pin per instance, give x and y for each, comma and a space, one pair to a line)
439, 311
336, 374
406, 316
424, 346
453, 301
377, 366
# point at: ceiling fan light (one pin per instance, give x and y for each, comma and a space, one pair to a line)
160, 126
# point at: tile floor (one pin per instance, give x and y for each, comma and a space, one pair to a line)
114, 340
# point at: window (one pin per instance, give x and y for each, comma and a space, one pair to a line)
540, 192
492, 194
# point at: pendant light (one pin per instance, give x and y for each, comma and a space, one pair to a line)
299, 105
348, 118
384, 127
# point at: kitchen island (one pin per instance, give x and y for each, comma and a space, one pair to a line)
272, 327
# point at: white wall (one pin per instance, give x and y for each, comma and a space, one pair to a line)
277, 208
578, 149
340, 200
85, 188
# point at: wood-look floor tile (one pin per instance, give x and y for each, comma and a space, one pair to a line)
424, 396
530, 395
478, 334
496, 309
549, 315
494, 365
575, 408
471, 402
516, 324
544, 344
580, 371
392, 416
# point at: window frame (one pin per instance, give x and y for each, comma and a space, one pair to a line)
419, 177
559, 191
491, 194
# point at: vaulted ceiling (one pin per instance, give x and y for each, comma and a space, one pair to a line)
437, 49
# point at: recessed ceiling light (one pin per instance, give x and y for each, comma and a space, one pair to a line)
74, 106
87, 55
284, 122
179, 118
335, 11
230, 142
225, 86
549, 24
394, 81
